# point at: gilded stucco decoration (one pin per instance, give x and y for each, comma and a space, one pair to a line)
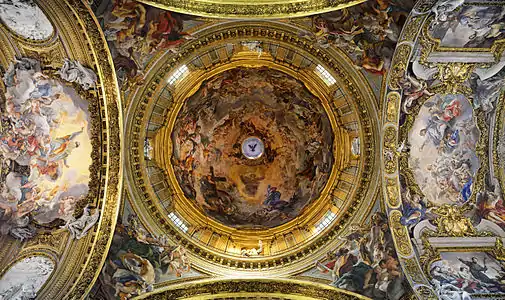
61, 161
450, 85
257, 288
264, 9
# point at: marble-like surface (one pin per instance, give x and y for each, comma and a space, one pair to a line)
25, 278
26, 19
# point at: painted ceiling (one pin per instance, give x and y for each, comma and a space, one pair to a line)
233, 149
236, 186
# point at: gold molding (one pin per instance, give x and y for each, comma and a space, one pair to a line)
242, 9
289, 288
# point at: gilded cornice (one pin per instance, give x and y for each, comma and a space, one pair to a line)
260, 9
288, 288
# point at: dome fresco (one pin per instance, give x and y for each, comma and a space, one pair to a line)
225, 112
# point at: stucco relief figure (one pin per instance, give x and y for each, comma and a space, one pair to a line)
137, 260
471, 272
442, 157
486, 92
470, 26
413, 90
74, 71
78, 228
253, 251
367, 32
45, 150
265, 190
366, 263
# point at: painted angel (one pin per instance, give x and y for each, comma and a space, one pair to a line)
62, 147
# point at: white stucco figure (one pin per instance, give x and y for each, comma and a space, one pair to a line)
253, 251
79, 227
74, 71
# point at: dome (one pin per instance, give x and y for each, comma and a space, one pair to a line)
266, 112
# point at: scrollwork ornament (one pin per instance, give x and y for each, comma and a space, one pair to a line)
499, 250
400, 234
392, 193
426, 293
412, 28
400, 62
429, 254
452, 222
393, 99
413, 270
389, 150
453, 75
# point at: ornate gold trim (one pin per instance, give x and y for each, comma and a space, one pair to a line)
235, 287
241, 9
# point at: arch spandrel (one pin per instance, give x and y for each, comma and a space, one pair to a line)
61, 182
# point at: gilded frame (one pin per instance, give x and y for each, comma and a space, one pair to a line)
240, 9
